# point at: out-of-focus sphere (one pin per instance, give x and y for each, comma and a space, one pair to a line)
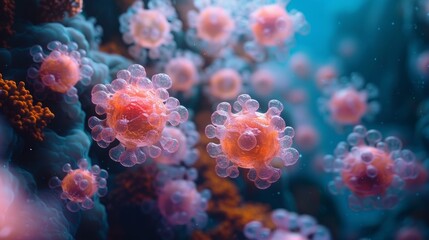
348, 106
271, 25
149, 28
262, 82
214, 24
225, 84
63, 68
182, 72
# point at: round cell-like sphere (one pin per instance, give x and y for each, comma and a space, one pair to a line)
225, 84
149, 28
326, 75
137, 115
59, 72
180, 203
306, 137
271, 25
348, 106
137, 110
180, 154
371, 171
289, 226
214, 24
183, 73
248, 139
262, 81
79, 184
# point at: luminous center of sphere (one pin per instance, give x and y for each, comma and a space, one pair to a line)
149, 28
214, 24
225, 84
137, 115
182, 72
71, 185
348, 106
60, 73
250, 141
271, 25
369, 172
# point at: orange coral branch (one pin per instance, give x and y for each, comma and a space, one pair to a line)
16, 103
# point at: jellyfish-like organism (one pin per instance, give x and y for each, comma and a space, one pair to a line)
373, 170
187, 137
260, 142
178, 201
60, 68
149, 30
348, 102
80, 186
226, 78
184, 71
271, 26
137, 110
212, 26
288, 225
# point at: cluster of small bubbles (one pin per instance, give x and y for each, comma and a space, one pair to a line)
178, 201
137, 110
60, 70
373, 170
187, 137
249, 139
80, 186
288, 225
149, 31
347, 101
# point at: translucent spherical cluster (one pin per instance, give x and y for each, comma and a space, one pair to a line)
137, 111
225, 78
212, 26
289, 225
306, 137
81, 185
347, 102
373, 170
187, 137
300, 65
252, 140
61, 69
326, 75
272, 26
178, 201
263, 81
149, 31
183, 70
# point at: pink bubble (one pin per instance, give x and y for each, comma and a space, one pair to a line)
183, 73
149, 28
288, 225
214, 24
248, 139
348, 106
225, 84
306, 137
263, 81
326, 75
61, 69
81, 185
137, 110
181, 204
271, 25
373, 170
300, 65
423, 64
